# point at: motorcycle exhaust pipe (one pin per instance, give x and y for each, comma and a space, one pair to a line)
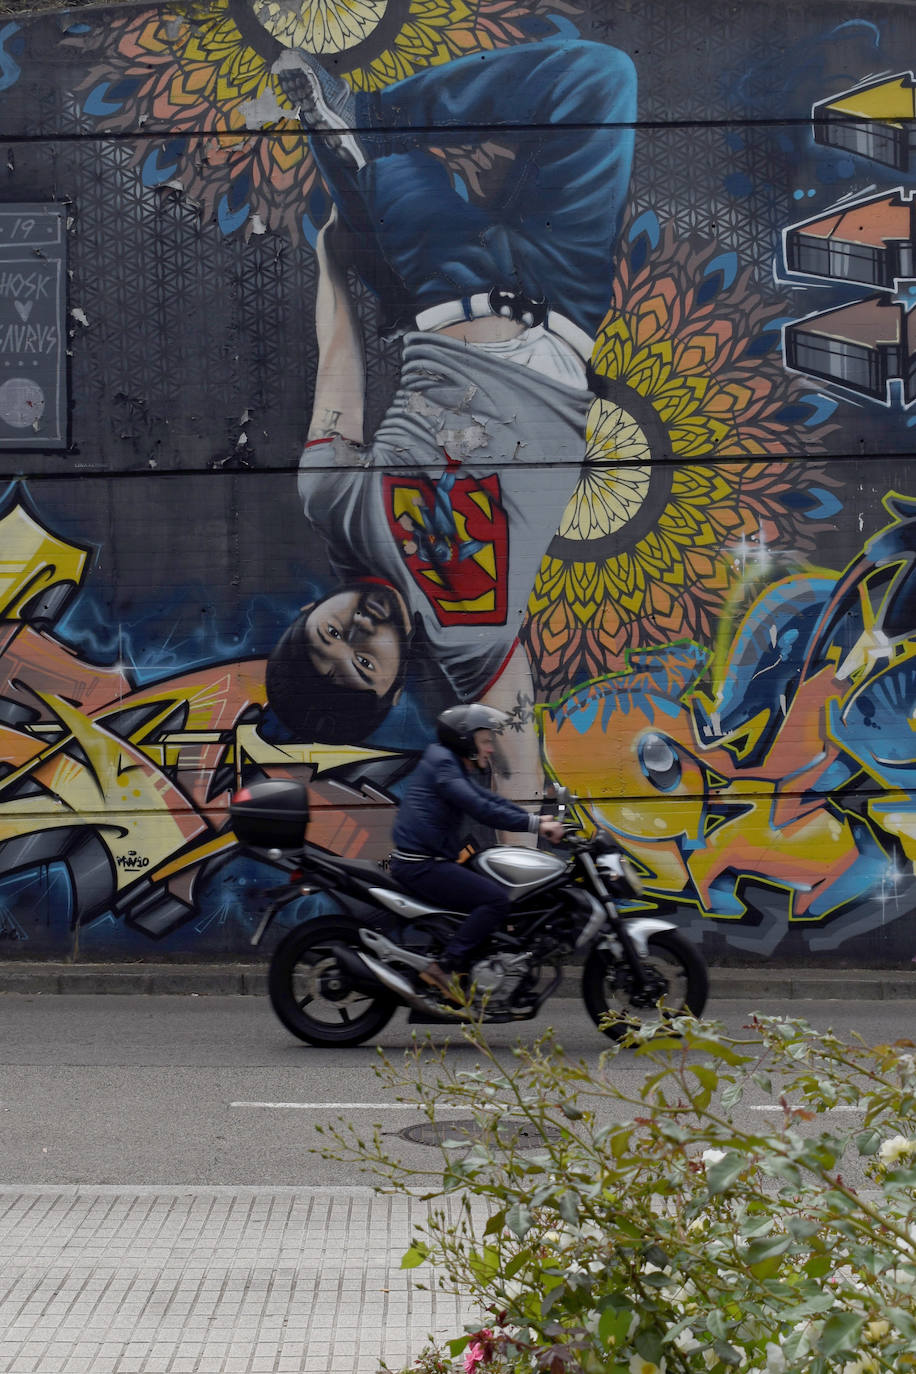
352, 964
366, 974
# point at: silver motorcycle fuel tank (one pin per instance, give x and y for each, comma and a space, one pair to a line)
520, 870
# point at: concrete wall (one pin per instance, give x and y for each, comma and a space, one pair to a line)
693, 584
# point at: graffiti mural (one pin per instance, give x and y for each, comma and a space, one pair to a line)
793, 773
357, 359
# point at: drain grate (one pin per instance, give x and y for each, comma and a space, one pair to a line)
520, 1135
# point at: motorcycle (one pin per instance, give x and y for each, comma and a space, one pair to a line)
338, 979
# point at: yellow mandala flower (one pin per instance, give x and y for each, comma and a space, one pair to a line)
608, 494
205, 70
686, 462
320, 26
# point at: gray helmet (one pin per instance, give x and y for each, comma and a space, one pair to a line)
455, 727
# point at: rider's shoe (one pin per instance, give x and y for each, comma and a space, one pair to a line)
323, 102
445, 983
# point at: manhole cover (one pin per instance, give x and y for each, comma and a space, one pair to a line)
520, 1134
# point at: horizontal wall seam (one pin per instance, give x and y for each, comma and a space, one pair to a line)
221, 469
155, 135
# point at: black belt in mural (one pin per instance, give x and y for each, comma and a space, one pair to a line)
33, 373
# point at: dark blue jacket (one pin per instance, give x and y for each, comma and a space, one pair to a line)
440, 793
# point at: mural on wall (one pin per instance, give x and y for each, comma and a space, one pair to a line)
464, 351
793, 773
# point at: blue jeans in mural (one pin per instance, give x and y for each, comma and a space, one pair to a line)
564, 109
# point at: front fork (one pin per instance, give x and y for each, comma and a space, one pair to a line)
621, 934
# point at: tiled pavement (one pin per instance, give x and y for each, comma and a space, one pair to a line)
115, 1280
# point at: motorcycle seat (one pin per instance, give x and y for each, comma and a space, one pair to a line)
368, 868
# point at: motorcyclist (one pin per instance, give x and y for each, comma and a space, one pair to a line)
427, 835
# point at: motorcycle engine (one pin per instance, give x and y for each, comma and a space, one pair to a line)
497, 978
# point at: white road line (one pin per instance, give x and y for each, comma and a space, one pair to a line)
799, 1107
334, 1106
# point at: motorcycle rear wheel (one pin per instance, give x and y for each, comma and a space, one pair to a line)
314, 997
682, 984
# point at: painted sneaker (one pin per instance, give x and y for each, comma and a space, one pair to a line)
324, 103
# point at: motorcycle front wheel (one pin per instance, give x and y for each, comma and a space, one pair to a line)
313, 995
678, 978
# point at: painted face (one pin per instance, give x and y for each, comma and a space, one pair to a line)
358, 637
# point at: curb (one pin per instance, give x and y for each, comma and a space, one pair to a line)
250, 980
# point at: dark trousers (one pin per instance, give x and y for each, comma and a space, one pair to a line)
565, 108
455, 888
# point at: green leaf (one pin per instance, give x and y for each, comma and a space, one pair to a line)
659, 1044
724, 1172
458, 1345
629, 1229
417, 1254
766, 1268
613, 1325
784, 1169
821, 1302
727, 1353
757, 1226
484, 1263
496, 1223
802, 1229
569, 1207
868, 1142
519, 1220
715, 1048
840, 1333
732, 1095
903, 1322
818, 1265
839, 1202
763, 1249
620, 1143
708, 1080
649, 1345
519, 1262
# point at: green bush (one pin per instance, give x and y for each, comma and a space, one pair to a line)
659, 1229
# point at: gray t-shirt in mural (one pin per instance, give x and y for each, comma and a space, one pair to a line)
456, 498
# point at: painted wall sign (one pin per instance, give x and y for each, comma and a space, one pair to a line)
33, 284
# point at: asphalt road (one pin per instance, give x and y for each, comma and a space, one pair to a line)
174, 1090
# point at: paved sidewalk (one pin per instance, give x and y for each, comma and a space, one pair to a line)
212, 980
112, 1280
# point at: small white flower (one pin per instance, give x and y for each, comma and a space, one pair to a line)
712, 1156
877, 1330
897, 1148
862, 1364
640, 1366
